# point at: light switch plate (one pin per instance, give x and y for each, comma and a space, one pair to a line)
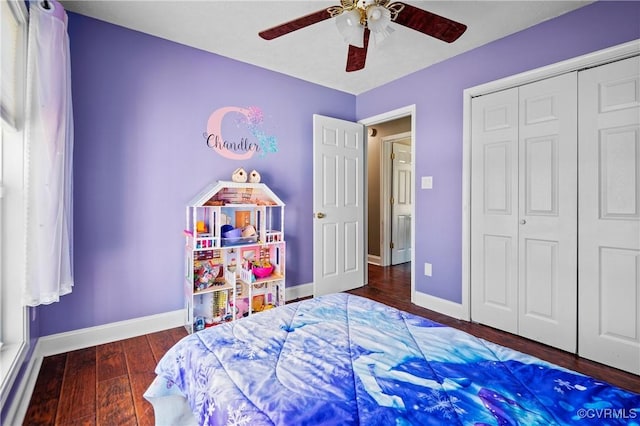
427, 269
427, 182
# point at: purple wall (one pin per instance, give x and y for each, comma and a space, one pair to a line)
437, 93
141, 106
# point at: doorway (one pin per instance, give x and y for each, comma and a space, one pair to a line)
397, 199
383, 130
390, 192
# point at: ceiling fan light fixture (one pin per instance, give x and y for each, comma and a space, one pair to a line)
379, 37
378, 17
378, 20
349, 26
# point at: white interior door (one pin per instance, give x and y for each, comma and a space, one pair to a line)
402, 182
547, 227
338, 205
494, 210
609, 223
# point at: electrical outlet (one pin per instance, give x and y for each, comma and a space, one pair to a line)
427, 182
428, 269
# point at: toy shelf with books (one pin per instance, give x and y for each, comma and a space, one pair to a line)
234, 253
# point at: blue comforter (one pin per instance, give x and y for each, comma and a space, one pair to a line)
345, 360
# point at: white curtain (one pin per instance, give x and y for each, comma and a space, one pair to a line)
48, 156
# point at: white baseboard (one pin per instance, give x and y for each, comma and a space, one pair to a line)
93, 336
299, 291
99, 335
373, 259
442, 306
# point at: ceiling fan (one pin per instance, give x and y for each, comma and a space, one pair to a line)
358, 20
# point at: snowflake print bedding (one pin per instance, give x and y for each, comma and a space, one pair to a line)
345, 360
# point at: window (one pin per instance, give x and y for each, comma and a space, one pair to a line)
13, 40
14, 326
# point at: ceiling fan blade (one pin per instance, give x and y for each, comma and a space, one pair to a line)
296, 24
429, 23
357, 56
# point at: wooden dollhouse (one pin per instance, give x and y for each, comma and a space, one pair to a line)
234, 254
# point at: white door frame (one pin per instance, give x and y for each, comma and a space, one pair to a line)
385, 179
593, 59
407, 111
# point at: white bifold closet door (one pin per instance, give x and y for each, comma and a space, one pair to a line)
523, 211
494, 210
609, 219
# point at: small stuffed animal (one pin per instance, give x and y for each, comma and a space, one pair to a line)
254, 177
239, 175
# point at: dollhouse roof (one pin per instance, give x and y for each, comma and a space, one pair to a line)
227, 193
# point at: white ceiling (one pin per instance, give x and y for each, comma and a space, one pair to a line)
318, 53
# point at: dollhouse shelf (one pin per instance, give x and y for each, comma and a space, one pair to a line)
270, 278
219, 285
213, 288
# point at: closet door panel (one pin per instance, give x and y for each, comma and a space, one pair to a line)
541, 176
609, 222
618, 170
540, 279
619, 270
494, 210
547, 230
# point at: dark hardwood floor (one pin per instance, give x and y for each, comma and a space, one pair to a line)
104, 384
100, 385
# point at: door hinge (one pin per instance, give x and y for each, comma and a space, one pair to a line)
392, 200
393, 155
391, 245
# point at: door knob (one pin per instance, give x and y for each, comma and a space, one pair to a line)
523, 222
320, 215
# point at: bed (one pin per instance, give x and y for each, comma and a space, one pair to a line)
346, 360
